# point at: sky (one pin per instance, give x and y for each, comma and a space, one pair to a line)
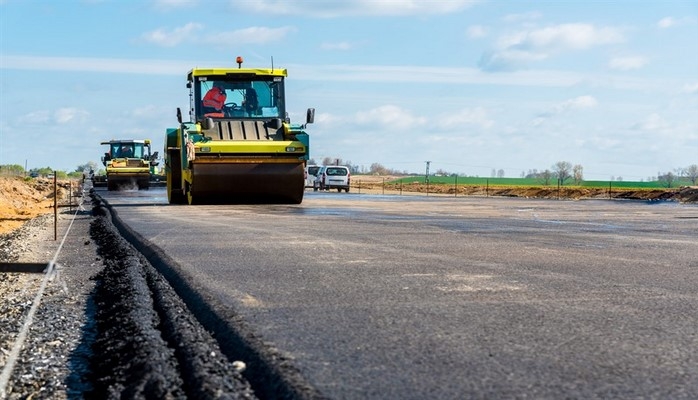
470, 86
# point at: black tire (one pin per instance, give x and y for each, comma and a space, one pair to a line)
173, 177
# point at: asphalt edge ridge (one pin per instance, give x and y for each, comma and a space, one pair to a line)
271, 374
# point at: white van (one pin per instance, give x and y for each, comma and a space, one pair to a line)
333, 177
310, 175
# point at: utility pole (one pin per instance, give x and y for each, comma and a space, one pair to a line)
426, 177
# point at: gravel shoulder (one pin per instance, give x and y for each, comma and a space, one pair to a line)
107, 325
50, 361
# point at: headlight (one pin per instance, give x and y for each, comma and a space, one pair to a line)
291, 149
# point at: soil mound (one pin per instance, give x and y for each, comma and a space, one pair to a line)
23, 199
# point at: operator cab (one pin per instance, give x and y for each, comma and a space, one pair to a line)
239, 94
239, 104
127, 149
256, 99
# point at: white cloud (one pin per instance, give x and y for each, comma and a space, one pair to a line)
576, 103
563, 37
70, 115
389, 116
666, 22
344, 8
61, 116
600, 143
671, 22
476, 31
339, 72
627, 63
523, 46
103, 65
255, 34
507, 60
475, 116
663, 132
691, 88
162, 37
187, 33
653, 123
35, 117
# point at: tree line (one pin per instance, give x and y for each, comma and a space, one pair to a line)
670, 178
562, 172
18, 170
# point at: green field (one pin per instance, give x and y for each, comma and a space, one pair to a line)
473, 181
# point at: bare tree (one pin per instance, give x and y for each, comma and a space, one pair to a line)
562, 170
90, 165
578, 174
545, 177
667, 179
500, 173
691, 172
328, 161
377, 169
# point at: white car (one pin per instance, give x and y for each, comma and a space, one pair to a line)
310, 175
333, 177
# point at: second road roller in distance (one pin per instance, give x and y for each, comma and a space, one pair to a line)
239, 145
129, 163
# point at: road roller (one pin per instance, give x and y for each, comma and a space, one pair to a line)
239, 145
129, 163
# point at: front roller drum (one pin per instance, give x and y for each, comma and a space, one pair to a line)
246, 183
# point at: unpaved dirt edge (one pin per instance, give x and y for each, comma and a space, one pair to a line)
271, 374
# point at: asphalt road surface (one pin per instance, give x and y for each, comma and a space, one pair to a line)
424, 297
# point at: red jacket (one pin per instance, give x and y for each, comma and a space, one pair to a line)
215, 98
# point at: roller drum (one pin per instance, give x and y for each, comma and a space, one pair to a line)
247, 183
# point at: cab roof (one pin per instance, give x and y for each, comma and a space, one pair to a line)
236, 71
126, 141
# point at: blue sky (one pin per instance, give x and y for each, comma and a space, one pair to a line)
472, 86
